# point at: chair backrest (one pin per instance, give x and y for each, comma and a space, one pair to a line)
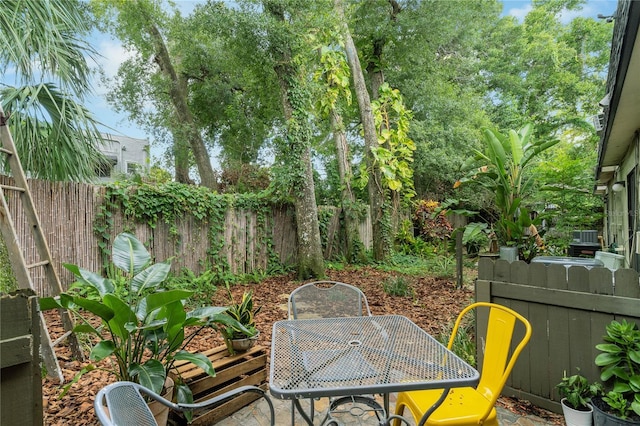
497, 343
125, 405
327, 299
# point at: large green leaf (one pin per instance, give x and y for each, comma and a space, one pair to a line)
206, 312
496, 151
129, 254
151, 374
516, 147
150, 277
122, 315
609, 348
160, 299
102, 350
47, 303
197, 359
96, 308
101, 284
174, 327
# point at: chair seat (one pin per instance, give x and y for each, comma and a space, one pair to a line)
462, 406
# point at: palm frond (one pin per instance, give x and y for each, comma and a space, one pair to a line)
45, 38
56, 137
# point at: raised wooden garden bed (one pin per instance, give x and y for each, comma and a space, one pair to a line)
247, 368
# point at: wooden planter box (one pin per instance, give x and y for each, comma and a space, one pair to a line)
247, 368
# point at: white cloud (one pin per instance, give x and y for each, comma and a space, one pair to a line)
519, 12
113, 55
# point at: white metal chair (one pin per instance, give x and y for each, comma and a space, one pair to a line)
327, 299
122, 403
332, 299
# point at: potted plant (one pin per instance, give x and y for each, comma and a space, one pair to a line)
474, 237
620, 368
576, 393
501, 168
143, 326
239, 339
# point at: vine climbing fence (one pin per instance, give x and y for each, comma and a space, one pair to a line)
79, 221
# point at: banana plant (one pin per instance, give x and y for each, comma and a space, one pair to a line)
502, 169
144, 327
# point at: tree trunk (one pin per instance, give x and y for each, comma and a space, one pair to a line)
310, 259
381, 237
351, 218
188, 128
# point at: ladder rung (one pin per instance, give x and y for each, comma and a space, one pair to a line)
61, 338
6, 151
35, 265
13, 188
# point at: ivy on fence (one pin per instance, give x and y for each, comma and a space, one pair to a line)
170, 202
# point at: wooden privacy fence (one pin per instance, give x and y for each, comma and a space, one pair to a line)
67, 212
568, 308
20, 381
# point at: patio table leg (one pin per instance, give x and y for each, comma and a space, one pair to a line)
305, 416
433, 408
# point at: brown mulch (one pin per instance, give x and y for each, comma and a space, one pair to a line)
433, 307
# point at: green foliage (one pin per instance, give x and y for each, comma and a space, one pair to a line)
475, 236
442, 265
565, 67
394, 153
568, 175
203, 286
149, 203
144, 326
620, 364
431, 221
46, 50
502, 170
244, 315
239, 177
464, 344
405, 264
578, 390
8, 281
397, 286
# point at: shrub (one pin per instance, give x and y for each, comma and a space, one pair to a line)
397, 286
431, 221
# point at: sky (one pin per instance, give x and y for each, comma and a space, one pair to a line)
113, 55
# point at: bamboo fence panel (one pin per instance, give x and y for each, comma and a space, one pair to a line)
68, 211
568, 309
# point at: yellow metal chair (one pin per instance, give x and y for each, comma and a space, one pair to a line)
469, 406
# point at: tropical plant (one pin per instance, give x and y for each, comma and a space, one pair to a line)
45, 51
144, 327
620, 363
243, 314
578, 391
431, 221
502, 170
475, 236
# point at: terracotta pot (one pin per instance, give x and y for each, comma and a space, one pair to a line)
161, 412
575, 417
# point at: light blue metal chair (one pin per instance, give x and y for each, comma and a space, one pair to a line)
123, 404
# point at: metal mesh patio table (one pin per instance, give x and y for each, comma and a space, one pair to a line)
327, 357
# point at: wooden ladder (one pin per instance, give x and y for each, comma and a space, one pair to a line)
17, 258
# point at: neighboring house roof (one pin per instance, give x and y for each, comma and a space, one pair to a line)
621, 115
